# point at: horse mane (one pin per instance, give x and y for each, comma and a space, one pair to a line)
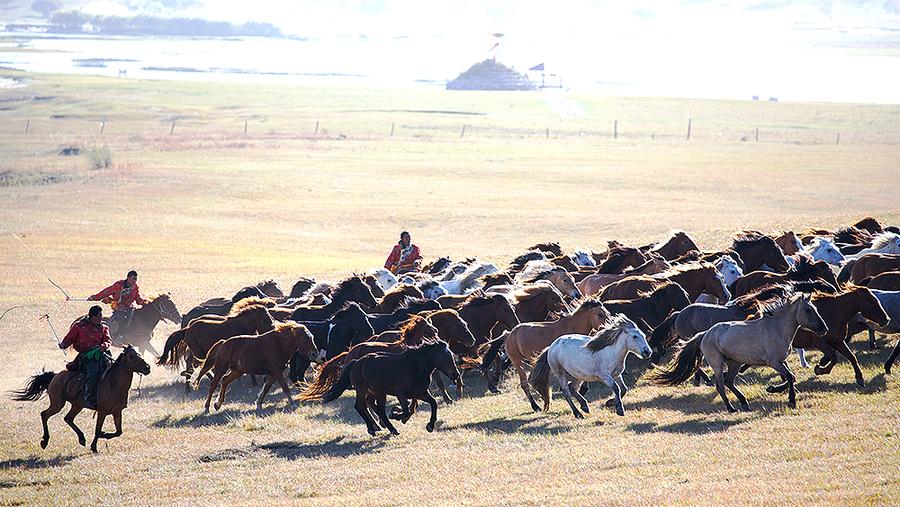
777, 302
538, 270
532, 291
248, 304
852, 236
409, 302
500, 277
883, 240
266, 282
345, 285
553, 248
477, 299
608, 334
401, 288
804, 265
280, 327
522, 260
152, 297
751, 238
348, 306
412, 326
672, 235
688, 267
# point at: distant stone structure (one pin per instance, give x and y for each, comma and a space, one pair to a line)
491, 75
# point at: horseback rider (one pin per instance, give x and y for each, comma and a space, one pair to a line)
122, 298
405, 256
90, 337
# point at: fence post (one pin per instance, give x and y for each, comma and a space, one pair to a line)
615, 129
27, 125
317, 128
102, 126
245, 127
462, 132
172, 130
689, 130
837, 139
547, 134
757, 134
392, 129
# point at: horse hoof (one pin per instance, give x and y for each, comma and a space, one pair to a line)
94, 449
611, 402
372, 432
45, 442
429, 428
772, 389
620, 411
861, 382
586, 409
82, 442
731, 410
395, 432
792, 404
579, 415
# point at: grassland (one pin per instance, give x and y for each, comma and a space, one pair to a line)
208, 209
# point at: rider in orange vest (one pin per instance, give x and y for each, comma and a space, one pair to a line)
405, 256
124, 295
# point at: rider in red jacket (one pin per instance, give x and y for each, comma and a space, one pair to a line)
404, 257
90, 337
124, 294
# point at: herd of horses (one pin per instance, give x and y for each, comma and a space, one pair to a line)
555, 319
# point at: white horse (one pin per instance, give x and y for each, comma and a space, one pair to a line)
468, 281
884, 243
579, 358
823, 249
583, 259
384, 278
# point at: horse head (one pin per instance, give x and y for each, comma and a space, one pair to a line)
133, 361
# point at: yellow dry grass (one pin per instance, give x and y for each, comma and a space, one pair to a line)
207, 210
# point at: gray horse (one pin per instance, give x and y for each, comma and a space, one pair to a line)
762, 341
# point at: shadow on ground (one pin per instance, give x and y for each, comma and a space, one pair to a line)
338, 447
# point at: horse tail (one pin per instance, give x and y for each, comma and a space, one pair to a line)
662, 337
494, 347
35, 388
687, 360
844, 274
341, 384
170, 355
540, 372
207, 363
329, 374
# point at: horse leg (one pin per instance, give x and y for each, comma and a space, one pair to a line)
576, 392
362, 408
270, 380
55, 406
212, 388
428, 398
439, 381
523, 383
829, 359
873, 345
98, 430
890, 361
567, 394
734, 368
70, 420
617, 392
231, 377
622, 387
801, 355
845, 351
401, 411
700, 377
117, 420
716, 361
783, 369
385, 421
279, 376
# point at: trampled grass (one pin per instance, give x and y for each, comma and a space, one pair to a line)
206, 210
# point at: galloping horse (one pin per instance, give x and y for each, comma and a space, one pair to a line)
577, 358
264, 354
805, 269
145, 320
757, 250
351, 289
651, 309
593, 284
762, 341
65, 386
347, 327
678, 244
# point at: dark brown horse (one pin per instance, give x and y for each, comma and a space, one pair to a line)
498, 278
538, 302
373, 286
869, 265
481, 314
396, 297
265, 354
803, 270
837, 310
301, 286
756, 250
66, 386
695, 278
405, 374
678, 244
145, 320
650, 310
889, 280
550, 248
621, 259
351, 289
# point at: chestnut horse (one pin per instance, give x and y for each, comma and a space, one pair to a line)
593, 284
678, 244
66, 386
695, 278
526, 341
264, 354
757, 250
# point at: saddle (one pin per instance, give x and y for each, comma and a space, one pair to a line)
77, 365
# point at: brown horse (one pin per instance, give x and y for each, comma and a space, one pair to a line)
145, 320
481, 314
593, 284
526, 341
803, 270
837, 310
549, 248
695, 278
543, 270
869, 224
885, 281
678, 244
789, 243
537, 302
650, 310
196, 340
66, 386
872, 265
265, 354
351, 289
405, 374
373, 286
565, 262
498, 278
620, 259
395, 298
756, 250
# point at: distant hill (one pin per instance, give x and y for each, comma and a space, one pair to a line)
492, 76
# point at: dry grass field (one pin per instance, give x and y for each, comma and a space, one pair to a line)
207, 209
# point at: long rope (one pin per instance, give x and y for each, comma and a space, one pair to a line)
41, 265
9, 310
